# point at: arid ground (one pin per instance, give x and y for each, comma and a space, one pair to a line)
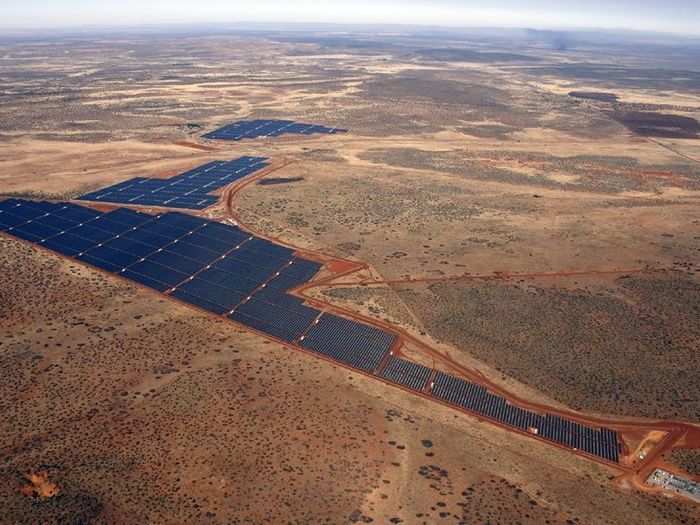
531, 211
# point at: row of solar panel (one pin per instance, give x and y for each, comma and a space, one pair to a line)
358, 345
226, 271
406, 373
189, 190
211, 265
475, 398
249, 129
599, 442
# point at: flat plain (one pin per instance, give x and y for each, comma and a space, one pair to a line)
550, 241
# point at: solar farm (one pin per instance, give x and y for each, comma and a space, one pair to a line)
190, 190
228, 272
308, 274
252, 129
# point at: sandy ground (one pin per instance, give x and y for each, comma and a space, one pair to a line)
141, 410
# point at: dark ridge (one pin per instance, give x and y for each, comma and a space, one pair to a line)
468, 55
595, 95
662, 125
279, 180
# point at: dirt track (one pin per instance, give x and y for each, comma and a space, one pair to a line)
676, 430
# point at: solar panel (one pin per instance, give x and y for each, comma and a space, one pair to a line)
27, 212
406, 373
240, 282
223, 297
54, 221
158, 272
210, 243
350, 342
144, 236
68, 244
176, 262
130, 244
199, 301
251, 129
295, 320
599, 442
77, 213
189, 190
144, 280
8, 220
109, 266
119, 258
196, 253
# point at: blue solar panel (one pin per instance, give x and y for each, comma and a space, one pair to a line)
146, 237
42, 206
8, 220
9, 204
303, 269
176, 262
278, 297
86, 231
27, 212
68, 244
159, 273
184, 222
250, 129
224, 233
190, 190
109, 266
210, 243
232, 285
268, 249
350, 342
23, 234
119, 258
406, 373
77, 213
106, 225
128, 217
199, 301
262, 326
239, 282
223, 297
146, 281
130, 246
38, 230
196, 253
258, 260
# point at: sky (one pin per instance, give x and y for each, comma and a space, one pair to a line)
675, 16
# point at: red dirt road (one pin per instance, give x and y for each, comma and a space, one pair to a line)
676, 430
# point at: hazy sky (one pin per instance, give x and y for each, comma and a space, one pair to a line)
681, 16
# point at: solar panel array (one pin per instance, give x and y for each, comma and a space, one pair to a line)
406, 373
226, 271
600, 442
189, 190
358, 345
251, 129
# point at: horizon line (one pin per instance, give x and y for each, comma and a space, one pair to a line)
286, 26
